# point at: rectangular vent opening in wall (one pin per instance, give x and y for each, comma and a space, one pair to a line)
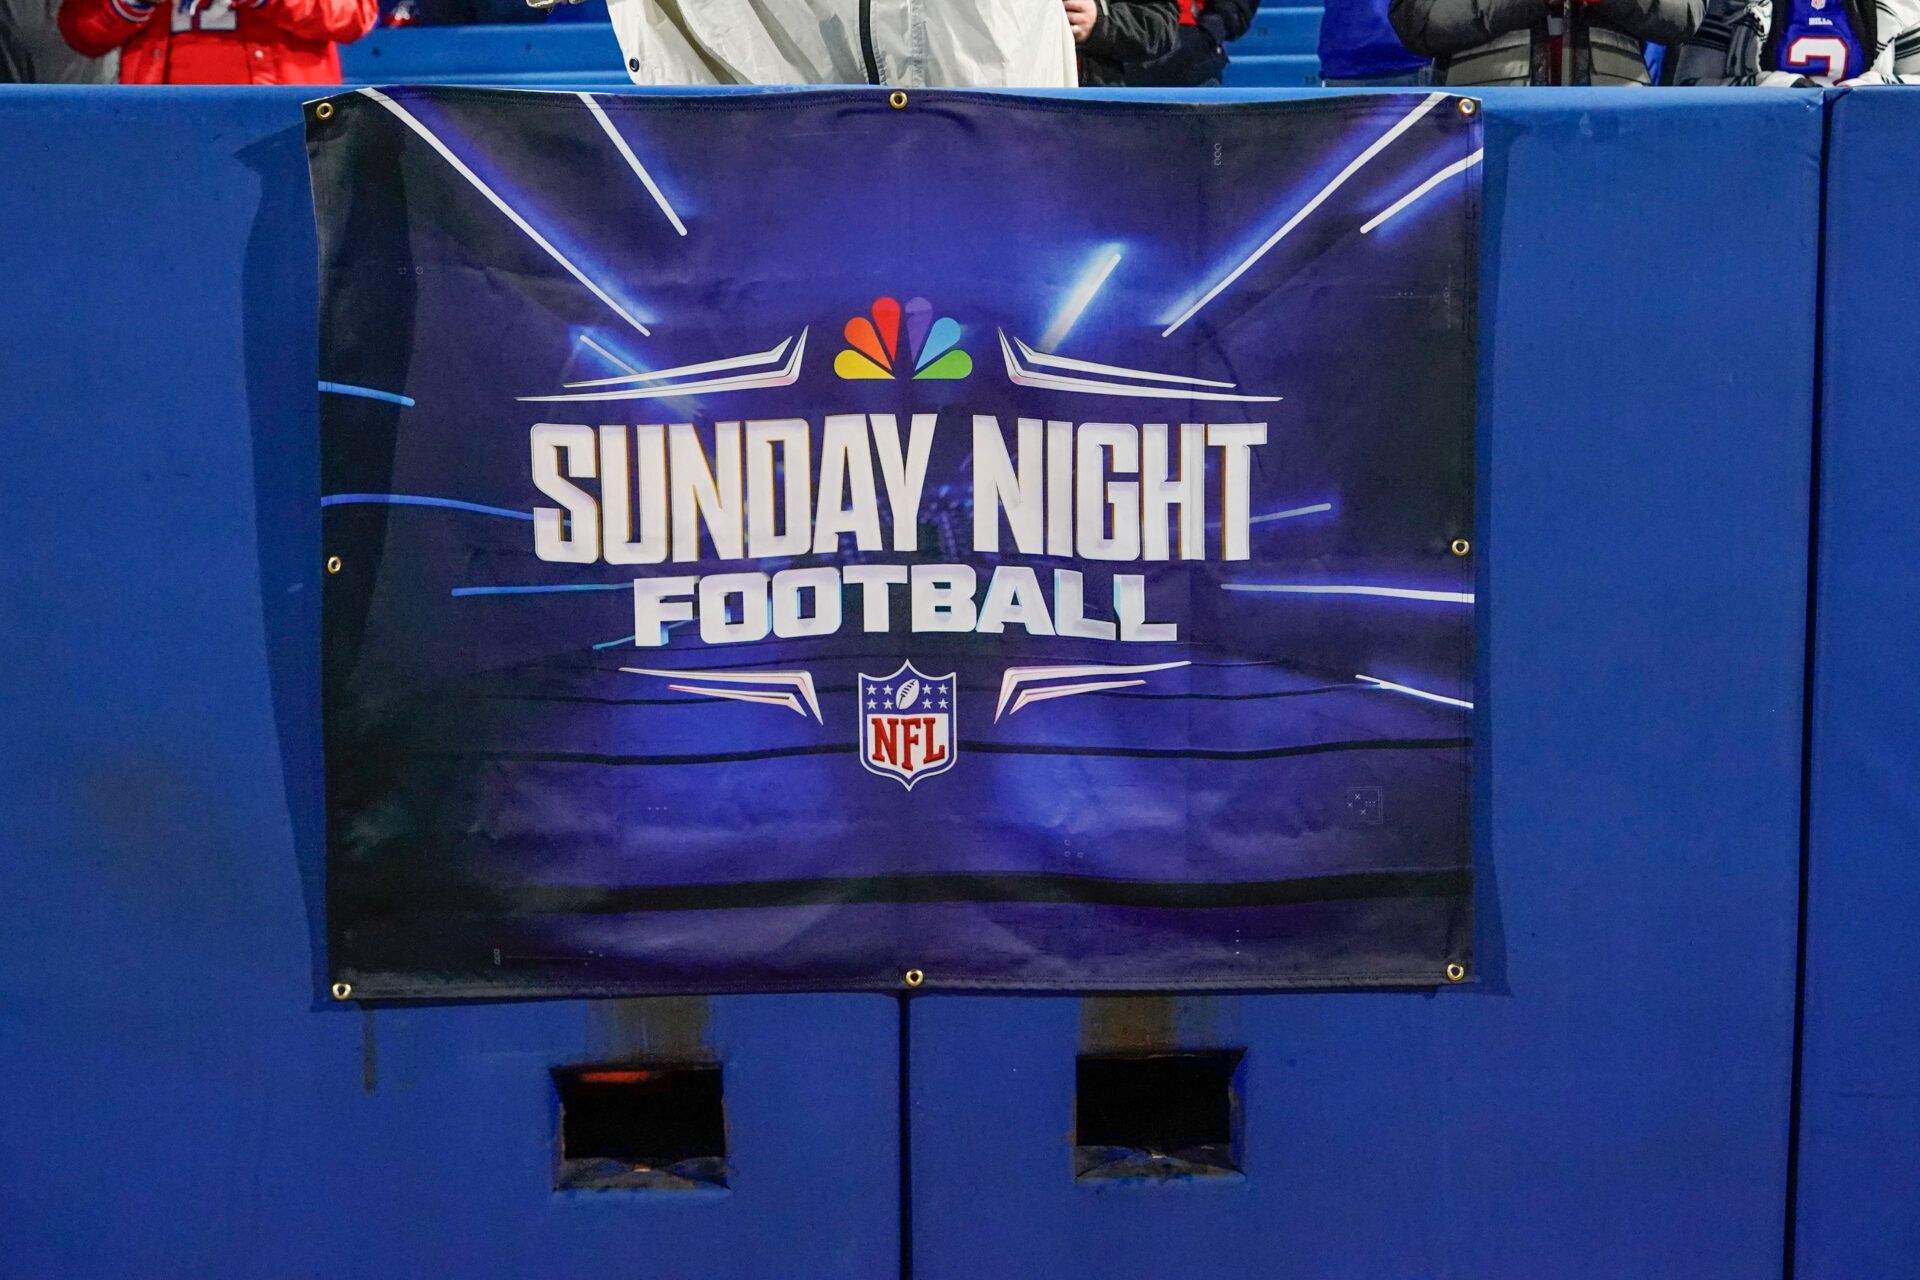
1157, 1115
640, 1125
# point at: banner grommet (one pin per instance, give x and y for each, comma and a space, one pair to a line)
324, 111
1468, 106
1456, 972
1461, 546
341, 990
333, 564
897, 100
914, 977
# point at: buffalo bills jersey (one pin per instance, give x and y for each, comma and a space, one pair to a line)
1817, 39
1786, 42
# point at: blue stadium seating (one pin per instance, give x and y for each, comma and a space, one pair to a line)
1294, 29
1291, 70
1279, 50
567, 54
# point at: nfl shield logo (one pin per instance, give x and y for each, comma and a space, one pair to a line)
907, 724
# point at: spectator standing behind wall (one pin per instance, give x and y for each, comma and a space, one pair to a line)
1801, 42
1199, 53
219, 41
32, 50
1521, 42
1358, 48
1113, 34
460, 13
909, 43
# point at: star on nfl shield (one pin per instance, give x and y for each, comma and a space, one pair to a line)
907, 724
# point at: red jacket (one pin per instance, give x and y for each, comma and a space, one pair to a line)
282, 41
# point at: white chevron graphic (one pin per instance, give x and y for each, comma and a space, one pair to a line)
800, 682
784, 375
1018, 676
1111, 379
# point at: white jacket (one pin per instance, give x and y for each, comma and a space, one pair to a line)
910, 43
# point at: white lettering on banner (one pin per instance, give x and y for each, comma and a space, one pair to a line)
790, 435
569, 533
700, 493
649, 465
737, 608
770, 489
846, 476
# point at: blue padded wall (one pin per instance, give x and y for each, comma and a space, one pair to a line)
1859, 1184
176, 1105
1611, 1099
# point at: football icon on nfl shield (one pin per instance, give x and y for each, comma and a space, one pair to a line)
907, 724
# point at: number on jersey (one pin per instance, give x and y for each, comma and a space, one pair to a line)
192, 15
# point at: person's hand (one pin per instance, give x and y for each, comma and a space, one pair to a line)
1081, 15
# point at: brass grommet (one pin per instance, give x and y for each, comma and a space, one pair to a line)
1468, 106
896, 100
1456, 971
341, 991
333, 564
1461, 546
915, 977
324, 111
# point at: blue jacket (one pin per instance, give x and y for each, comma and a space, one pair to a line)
1357, 42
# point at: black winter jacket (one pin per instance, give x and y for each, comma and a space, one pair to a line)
1485, 42
1127, 31
1199, 53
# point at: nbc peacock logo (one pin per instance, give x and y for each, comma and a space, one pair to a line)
874, 348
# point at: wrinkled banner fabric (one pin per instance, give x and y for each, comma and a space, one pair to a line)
784, 541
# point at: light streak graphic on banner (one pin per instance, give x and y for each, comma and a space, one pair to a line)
633, 162
1354, 166
610, 357
1288, 514
367, 393
1326, 589
460, 166
419, 500
1452, 170
667, 626
542, 590
1410, 690
1078, 297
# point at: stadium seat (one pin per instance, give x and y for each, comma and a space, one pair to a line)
1277, 32
580, 55
1288, 71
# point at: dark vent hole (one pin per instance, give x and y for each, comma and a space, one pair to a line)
624, 1125
1157, 1114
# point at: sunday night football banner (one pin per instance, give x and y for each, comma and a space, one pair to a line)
780, 541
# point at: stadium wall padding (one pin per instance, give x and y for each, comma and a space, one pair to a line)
1612, 1098
1860, 1085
